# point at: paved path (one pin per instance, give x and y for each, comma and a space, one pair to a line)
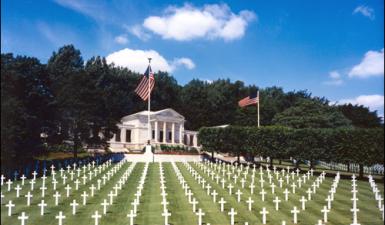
149, 157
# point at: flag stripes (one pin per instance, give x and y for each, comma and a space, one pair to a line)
144, 88
249, 100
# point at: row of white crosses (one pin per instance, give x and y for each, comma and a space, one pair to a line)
92, 188
354, 210
57, 195
295, 211
166, 214
118, 186
136, 202
377, 195
189, 193
232, 213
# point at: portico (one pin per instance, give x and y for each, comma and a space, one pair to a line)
167, 127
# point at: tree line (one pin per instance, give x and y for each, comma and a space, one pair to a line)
364, 146
69, 100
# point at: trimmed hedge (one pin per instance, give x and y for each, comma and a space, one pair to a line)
344, 145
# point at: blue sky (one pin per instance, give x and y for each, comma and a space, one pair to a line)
332, 48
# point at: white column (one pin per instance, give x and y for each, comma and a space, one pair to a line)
195, 140
123, 135
180, 133
173, 133
164, 132
156, 131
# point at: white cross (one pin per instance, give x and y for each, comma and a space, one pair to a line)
104, 204
166, 214
272, 188
22, 179
77, 182
131, 215
252, 186
42, 204
329, 200
84, 195
68, 188
64, 178
96, 216
60, 217
264, 212
208, 187
34, 175
230, 186
56, 196
232, 213
200, 214
354, 210
239, 193
293, 186
295, 211
92, 188
9, 182
135, 203
276, 201
263, 192
250, 202
74, 204
18, 188
286, 192
43, 188
28, 196
32, 182
222, 202
111, 195
214, 194
2, 178
309, 192
10, 205
243, 181
54, 182
23, 218
325, 211
189, 193
303, 201
194, 202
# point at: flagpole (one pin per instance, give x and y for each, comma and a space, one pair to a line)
258, 107
149, 101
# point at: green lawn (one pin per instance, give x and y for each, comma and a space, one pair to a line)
150, 209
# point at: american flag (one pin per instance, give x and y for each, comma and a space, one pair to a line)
143, 88
249, 100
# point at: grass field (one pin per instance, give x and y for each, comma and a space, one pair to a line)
150, 208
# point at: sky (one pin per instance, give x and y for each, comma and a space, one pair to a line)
333, 49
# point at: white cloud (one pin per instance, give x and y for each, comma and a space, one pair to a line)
365, 11
138, 32
374, 102
121, 39
335, 79
188, 63
137, 60
210, 22
371, 65
56, 35
94, 9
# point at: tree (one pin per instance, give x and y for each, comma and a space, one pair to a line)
24, 108
360, 116
311, 114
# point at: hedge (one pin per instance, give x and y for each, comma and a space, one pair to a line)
344, 145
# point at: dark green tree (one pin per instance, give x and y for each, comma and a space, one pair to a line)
360, 116
311, 114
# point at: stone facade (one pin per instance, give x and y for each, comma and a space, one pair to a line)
167, 127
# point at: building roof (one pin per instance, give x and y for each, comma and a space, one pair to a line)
164, 112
